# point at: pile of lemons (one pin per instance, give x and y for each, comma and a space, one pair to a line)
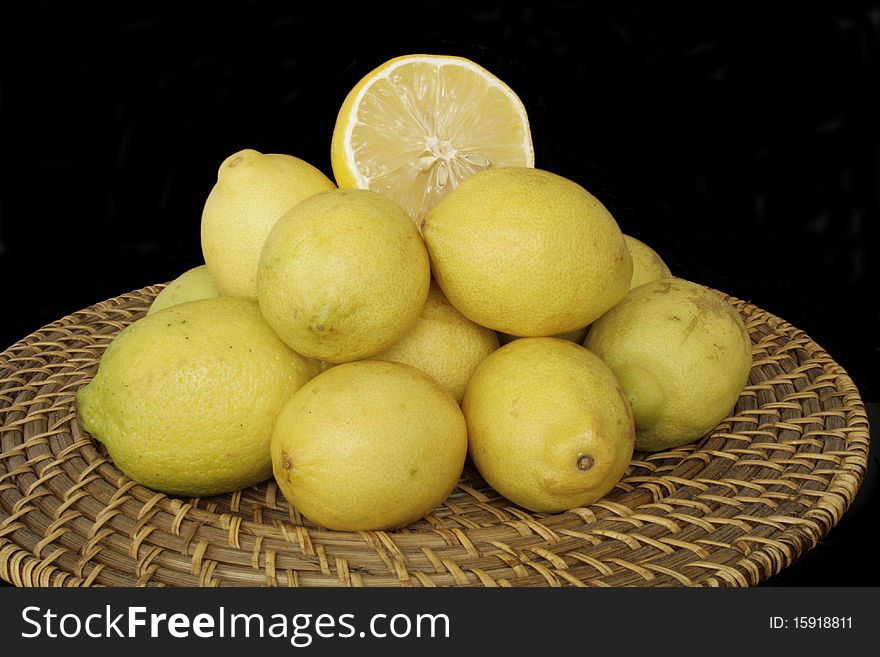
447, 299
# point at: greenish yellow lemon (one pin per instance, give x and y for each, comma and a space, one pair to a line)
683, 355
343, 275
185, 399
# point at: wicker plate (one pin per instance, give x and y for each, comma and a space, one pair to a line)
730, 510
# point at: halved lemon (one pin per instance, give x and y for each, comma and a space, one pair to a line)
417, 125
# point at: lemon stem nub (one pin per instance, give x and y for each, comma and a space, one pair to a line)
585, 462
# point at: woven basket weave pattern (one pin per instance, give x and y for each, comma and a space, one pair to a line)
729, 510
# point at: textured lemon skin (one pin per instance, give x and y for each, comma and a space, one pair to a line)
527, 252
549, 425
252, 191
185, 399
191, 285
368, 445
343, 275
683, 355
647, 264
444, 344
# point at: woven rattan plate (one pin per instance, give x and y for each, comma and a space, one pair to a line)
729, 510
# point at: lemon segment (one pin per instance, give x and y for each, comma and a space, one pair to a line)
416, 126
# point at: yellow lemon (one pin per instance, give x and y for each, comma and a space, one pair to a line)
193, 284
549, 425
343, 275
647, 263
683, 355
368, 445
417, 125
443, 343
527, 252
185, 399
253, 190
647, 266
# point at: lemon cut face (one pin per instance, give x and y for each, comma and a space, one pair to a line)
416, 126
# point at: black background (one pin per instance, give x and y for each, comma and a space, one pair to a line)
741, 142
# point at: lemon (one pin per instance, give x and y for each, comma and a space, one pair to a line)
647, 263
185, 399
683, 355
549, 426
444, 344
417, 125
647, 266
527, 252
193, 284
343, 275
252, 191
368, 445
